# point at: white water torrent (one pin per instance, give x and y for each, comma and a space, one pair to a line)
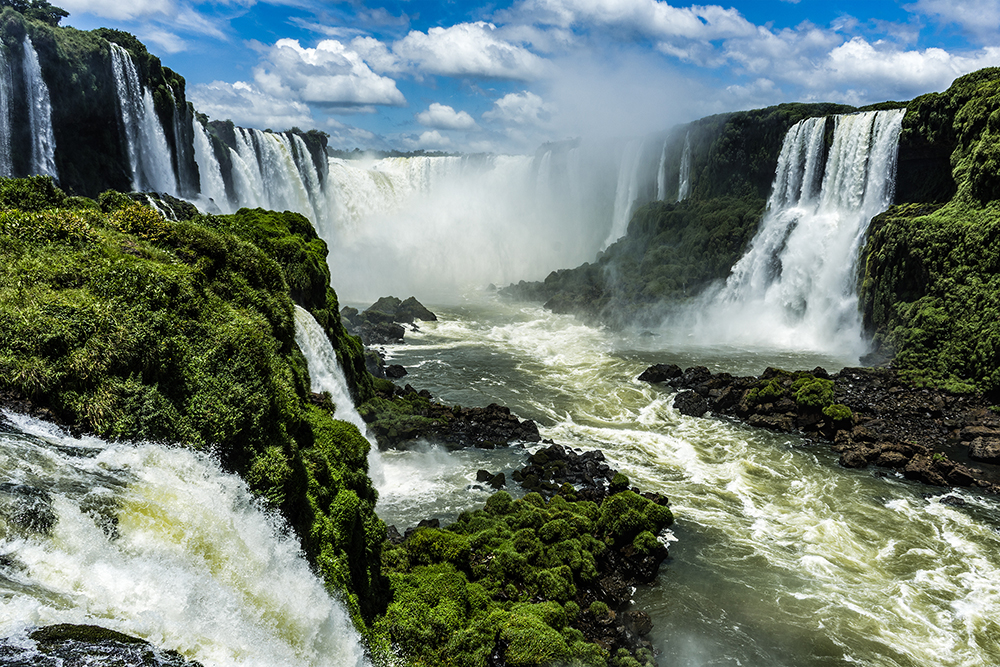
159, 543
149, 154
684, 177
212, 187
6, 94
794, 287
43, 141
627, 190
661, 175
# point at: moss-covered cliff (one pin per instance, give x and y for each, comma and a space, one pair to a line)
126, 325
929, 281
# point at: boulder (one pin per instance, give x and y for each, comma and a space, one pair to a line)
985, 449
690, 403
661, 373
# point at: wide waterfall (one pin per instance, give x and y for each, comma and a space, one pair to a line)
795, 286
150, 158
6, 94
212, 185
43, 141
159, 543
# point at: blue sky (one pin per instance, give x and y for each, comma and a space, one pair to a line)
508, 76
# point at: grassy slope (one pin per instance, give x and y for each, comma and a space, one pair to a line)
130, 326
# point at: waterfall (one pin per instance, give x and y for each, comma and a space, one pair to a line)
325, 373
212, 185
6, 94
661, 175
159, 543
149, 154
684, 178
795, 285
43, 141
627, 190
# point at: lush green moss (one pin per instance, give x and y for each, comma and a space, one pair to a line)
457, 589
134, 327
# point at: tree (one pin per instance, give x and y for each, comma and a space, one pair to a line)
37, 10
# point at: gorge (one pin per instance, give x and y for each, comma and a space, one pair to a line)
185, 460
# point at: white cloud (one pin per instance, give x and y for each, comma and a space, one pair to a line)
330, 74
248, 106
524, 108
166, 40
443, 117
118, 10
976, 17
466, 49
433, 139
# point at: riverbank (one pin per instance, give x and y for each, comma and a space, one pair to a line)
870, 415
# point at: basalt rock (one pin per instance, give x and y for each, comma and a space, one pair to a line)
381, 323
870, 415
65, 644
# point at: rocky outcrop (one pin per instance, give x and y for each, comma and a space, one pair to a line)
381, 323
871, 417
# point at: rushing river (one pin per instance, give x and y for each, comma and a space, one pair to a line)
782, 558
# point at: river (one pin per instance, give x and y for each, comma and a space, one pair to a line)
782, 557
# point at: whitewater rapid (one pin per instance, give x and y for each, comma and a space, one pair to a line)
783, 558
159, 543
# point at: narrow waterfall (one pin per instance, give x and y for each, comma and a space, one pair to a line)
627, 190
212, 185
325, 373
795, 286
159, 543
6, 94
43, 141
661, 175
684, 178
149, 154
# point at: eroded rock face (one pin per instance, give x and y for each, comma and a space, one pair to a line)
381, 323
871, 416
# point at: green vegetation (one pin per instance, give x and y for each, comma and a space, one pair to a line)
130, 326
930, 290
514, 571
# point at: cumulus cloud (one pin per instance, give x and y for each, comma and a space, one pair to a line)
464, 49
433, 139
330, 74
444, 117
980, 18
248, 106
524, 108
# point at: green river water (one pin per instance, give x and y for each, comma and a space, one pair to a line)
782, 557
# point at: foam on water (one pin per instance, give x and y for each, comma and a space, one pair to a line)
159, 543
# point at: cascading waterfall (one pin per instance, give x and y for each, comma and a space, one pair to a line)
684, 178
212, 185
629, 174
43, 141
794, 287
326, 375
159, 543
661, 175
149, 154
6, 94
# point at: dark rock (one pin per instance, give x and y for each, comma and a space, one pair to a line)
692, 377
661, 373
392, 534
498, 481
984, 449
411, 309
691, 404
638, 622
483, 475
394, 371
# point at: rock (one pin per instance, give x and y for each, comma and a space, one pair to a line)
690, 403
483, 475
638, 622
498, 481
853, 458
411, 309
661, 373
692, 377
979, 431
891, 460
985, 449
394, 371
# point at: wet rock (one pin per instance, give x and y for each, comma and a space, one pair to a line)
498, 481
411, 309
638, 622
661, 373
394, 371
483, 475
986, 450
690, 403
66, 645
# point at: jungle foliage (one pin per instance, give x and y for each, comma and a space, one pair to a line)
129, 326
929, 278
512, 573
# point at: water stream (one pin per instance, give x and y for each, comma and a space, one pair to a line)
783, 558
